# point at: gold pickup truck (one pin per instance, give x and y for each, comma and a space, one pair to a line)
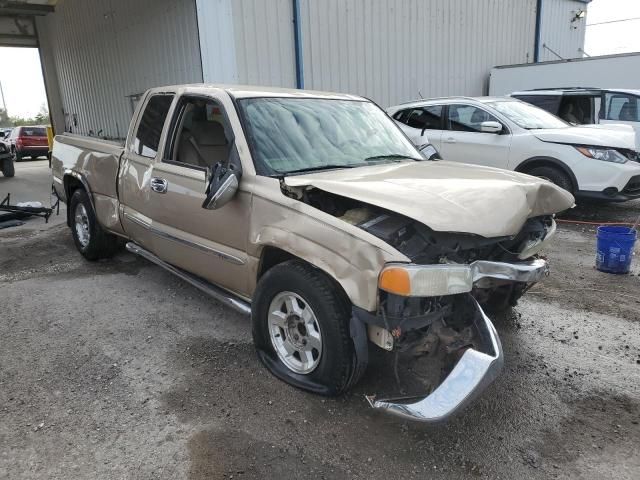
314, 213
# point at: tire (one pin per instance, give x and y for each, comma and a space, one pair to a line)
324, 310
17, 156
90, 239
554, 175
8, 168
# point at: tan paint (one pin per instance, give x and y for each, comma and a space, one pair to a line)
225, 246
447, 196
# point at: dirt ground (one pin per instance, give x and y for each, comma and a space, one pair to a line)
118, 370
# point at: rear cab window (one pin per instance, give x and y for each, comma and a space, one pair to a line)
149, 131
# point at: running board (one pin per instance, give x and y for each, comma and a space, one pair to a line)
221, 295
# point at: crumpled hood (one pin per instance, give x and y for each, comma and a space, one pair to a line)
446, 196
597, 135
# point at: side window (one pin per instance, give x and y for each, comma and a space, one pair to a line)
621, 107
424, 117
199, 138
149, 130
402, 115
550, 103
467, 118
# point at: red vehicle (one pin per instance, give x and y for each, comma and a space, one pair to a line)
28, 142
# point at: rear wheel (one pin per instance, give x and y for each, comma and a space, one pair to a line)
90, 239
8, 168
554, 175
17, 156
301, 329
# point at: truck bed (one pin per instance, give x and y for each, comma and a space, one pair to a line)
94, 162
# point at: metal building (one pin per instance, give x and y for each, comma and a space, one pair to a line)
98, 56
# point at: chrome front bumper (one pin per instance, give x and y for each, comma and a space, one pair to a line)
471, 375
477, 368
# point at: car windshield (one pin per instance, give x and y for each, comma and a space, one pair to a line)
294, 135
527, 116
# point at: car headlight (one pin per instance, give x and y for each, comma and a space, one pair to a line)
426, 280
604, 154
534, 245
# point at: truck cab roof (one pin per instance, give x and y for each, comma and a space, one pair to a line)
250, 91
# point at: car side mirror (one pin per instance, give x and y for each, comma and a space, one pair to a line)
222, 187
491, 127
429, 152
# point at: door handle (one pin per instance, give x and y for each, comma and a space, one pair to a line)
449, 140
159, 185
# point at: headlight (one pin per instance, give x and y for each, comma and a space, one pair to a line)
533, 246
426, 280
604, 154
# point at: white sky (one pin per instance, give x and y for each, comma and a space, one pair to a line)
21, 79
24, 91
615, 37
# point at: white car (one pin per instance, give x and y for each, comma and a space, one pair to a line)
593, 162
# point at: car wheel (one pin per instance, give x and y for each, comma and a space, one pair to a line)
8, 168
16, 156
300, 321
554, 175
90, 239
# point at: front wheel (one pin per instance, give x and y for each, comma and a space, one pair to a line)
90, 239
554, 175
301, 329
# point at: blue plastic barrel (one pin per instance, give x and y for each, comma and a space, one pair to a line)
615, 248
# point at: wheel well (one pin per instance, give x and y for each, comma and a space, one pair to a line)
71, 184
272, 256
528, 165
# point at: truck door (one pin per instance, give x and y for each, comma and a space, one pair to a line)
208, 243
140, 152
463, 141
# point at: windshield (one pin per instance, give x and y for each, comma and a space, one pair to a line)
527, 116
290, 135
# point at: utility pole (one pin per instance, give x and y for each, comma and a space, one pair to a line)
4, 105
4, 115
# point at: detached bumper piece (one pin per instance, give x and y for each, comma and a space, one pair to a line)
475, 370
481, 362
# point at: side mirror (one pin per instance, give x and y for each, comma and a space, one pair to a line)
223, 186
429, 152
491, 127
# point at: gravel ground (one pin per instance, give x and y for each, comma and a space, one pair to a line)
117, 370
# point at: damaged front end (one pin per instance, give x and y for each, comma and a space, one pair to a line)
430, 315
439, 332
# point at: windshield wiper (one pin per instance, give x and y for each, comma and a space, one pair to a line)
396, 156
316, 169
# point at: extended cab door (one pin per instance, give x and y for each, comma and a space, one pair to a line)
463, 141
208, 243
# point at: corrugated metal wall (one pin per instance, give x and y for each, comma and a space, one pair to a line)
107, 50
392, 51
264, 42
559, 33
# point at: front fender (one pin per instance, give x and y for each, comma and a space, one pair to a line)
351, 262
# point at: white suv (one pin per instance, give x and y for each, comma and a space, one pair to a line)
592, 162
